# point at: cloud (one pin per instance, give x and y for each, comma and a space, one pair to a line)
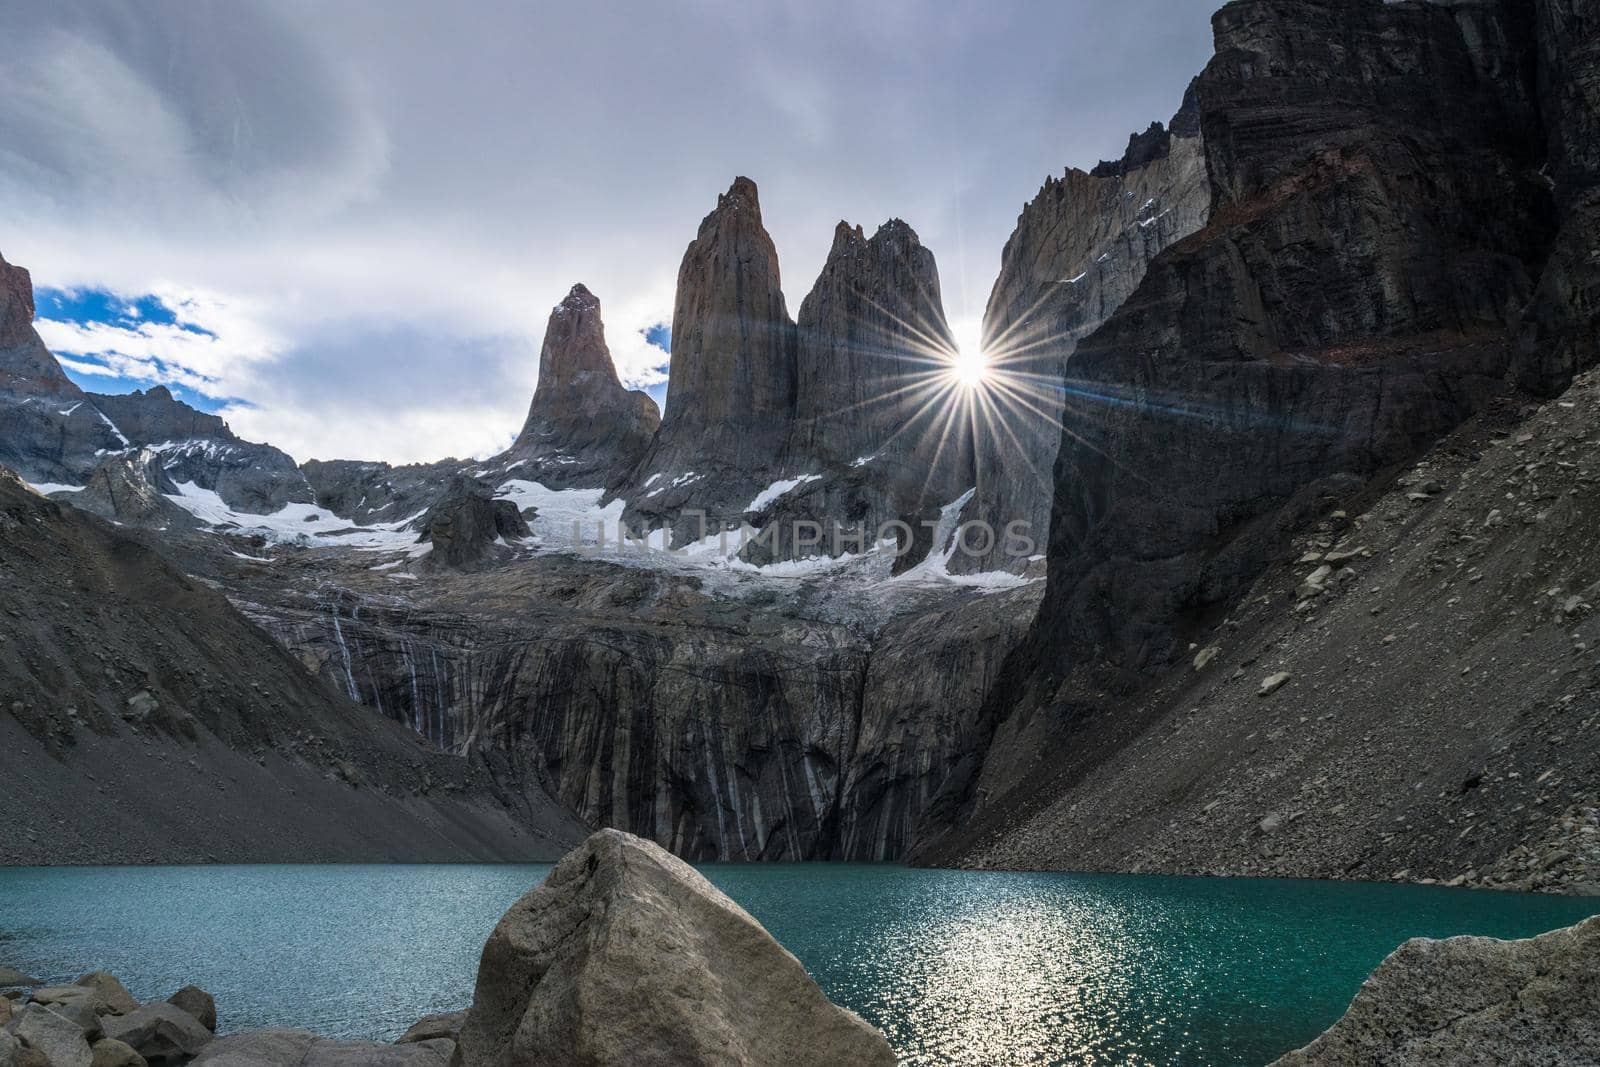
378, 202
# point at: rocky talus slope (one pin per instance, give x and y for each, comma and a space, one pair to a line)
1472, 1000
146, 721
1367, 281
582, 426
1411, 691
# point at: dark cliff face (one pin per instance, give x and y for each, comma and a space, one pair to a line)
731, 387
1377, 230
583, 427
467, 524
1080, 249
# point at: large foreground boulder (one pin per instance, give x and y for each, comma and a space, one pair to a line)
197, 1002
298, 1048
625, 954
1473, 1000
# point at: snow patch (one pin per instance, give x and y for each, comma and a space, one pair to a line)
778, 489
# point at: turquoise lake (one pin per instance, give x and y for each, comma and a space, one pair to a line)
956, 967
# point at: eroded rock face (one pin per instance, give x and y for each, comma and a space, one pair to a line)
731, 391
1080, 249
583, 427
626, 954
1472, 1000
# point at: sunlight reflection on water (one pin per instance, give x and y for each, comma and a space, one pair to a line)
956, 967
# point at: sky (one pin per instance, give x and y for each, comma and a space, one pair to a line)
343, 226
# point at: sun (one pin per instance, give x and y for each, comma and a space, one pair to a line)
967, 364
969, 367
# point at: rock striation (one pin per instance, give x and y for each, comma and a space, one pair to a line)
1080, 249
1472, 1000
583, 427
626, 954
731, 386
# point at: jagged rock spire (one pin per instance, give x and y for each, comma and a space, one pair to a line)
583, 426
730, 394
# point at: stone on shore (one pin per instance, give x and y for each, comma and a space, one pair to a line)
12, 977
114, 998
197, 1002
626, 954
160, 1032
431, 1027
298, 1048
60, 1039
1472, 1000
109, 1052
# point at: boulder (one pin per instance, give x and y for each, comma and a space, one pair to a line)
298, 1048
433, 1027
12, 977
160, 1031
109, 1052
1475, 1000
60, 1039
82, 1006
197, 1002
626, 954
9, 1047
115, 999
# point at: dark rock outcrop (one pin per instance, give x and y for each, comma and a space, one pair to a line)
198, 1003
1474, 1000
467, 524
1079, 251
583, 427
731, 387
626, 954
160, 1032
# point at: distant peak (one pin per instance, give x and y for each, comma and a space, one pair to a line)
744, 189
580, 296
898, 231
845, 234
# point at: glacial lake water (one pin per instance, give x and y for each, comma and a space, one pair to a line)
956, 967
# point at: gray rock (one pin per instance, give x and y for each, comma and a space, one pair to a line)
11, 977
114, 998
1274, 682
298, 1048
109, 1052
58, 1037
9, 1047
626, 954
197, 1002
160, 1031
83, 1006
433, 1027
1473, 1000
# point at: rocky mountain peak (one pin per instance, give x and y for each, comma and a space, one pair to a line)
16, 304
730, 393
583, 426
